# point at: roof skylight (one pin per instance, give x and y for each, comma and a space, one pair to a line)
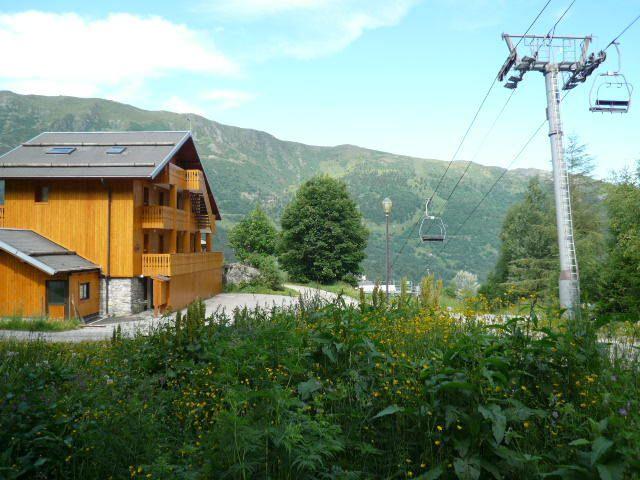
116, 150
61, 150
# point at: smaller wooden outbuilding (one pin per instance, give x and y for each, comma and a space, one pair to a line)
42, 278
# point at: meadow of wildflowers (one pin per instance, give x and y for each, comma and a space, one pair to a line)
324, 391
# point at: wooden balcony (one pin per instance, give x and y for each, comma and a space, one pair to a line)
170, 264
173, 175
195, 180
167, 218
1, 216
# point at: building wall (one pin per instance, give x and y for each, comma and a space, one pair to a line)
126, 296
22, 288
76, 217
91, 306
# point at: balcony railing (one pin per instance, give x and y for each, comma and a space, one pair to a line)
170, 264
163, 217
195, 180
1, 216
173, 175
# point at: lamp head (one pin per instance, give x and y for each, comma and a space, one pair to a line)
386, 205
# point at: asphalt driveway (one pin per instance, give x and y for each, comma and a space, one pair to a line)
143, 322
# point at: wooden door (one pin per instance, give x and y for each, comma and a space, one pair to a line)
57, 298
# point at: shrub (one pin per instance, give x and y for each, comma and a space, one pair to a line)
254, 234
270, 274
323, 391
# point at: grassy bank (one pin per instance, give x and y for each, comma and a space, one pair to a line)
38, 324
327, 392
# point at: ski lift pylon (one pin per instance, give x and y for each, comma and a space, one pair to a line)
431, 222
610, 92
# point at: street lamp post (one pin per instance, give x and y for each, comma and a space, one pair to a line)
386, 206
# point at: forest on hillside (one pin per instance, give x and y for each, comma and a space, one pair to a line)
607, 238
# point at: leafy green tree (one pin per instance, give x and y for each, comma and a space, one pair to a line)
323, 235
528, 260
589, 219
621, 273
528, 252
254, 234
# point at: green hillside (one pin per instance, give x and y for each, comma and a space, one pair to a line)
248, 166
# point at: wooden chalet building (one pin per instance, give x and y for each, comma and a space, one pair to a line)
107, 223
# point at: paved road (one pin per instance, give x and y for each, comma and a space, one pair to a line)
141, 323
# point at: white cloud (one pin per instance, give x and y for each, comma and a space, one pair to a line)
178, 105
229, 99
255, 8
51, 53
312, 28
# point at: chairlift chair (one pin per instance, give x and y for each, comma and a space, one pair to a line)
431, 222
610, 92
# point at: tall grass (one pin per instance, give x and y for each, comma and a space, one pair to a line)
324, 391
39, 324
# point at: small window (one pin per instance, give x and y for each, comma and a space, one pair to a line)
42, 193
2, 189
61, 150
85, 291
115, 150
161, 198
180, 204
145, 196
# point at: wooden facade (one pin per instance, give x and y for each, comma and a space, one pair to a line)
23, 291
129, 227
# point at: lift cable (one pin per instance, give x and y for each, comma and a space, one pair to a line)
486, 194
484, 197
550, 34
622, 32
501, 176
464, 137
475, 117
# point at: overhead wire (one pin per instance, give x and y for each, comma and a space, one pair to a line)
526, 144
532, 136
622, 32
466, 134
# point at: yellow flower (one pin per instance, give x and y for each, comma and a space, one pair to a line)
439, 427
437, 443
526, 424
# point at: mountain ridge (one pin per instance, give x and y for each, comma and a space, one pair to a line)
248, 166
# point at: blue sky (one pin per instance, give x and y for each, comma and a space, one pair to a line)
404, 76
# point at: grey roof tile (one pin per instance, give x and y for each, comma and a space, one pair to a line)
145, 153
42, 253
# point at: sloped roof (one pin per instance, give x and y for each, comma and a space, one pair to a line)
145, 154
42, 253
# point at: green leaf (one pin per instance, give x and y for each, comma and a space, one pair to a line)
390, 410
611, 471
329, 353
305, 389
498, 419
599, 448
456, 386
465, 470
491, 468
580, 442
